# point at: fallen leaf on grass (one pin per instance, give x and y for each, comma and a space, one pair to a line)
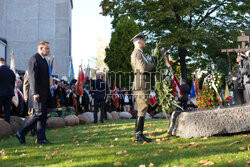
142, 165
170, 151
158, 140
193, 144
248, 138
133, 140
151, 165
5, 157
23, 155
111, 146
233, 143
230, 161
74, 139
63, 154
220, 157
85, 141
47, 157
69, 161
119, 153
180, 147
76, 142
41, 146
144, 142
148, 126
203, 147
127, 155
178, 166
95, 134
206, 162
116, 139
242, 148
161, 150
204, 138
155, 154
55, 152
164, 139
117, 164
152, 134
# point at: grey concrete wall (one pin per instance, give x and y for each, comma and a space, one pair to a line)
26, 22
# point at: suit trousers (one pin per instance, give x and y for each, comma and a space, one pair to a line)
5, 101
99, 103
39, 117
141, 99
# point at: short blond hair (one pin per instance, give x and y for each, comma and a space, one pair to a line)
42, 43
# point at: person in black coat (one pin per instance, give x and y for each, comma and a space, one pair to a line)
39, 94
100, 89
185, 91
7, 86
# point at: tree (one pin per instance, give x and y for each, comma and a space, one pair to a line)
120, 48
188, 29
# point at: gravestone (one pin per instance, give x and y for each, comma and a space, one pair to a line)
211, 122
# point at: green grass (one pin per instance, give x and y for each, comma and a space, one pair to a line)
98, 144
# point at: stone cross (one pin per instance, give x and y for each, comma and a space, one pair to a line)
243, 39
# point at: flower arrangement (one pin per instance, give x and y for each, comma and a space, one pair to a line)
207, 98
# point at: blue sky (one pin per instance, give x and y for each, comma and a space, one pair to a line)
87, 27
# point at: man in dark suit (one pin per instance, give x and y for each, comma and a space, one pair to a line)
185, 91
7, 86
100, 89
39, 94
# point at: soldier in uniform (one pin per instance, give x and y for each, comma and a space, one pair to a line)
141, 85
244, 67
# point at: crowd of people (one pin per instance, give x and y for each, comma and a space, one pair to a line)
65, 95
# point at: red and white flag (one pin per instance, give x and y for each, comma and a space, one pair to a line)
174, 81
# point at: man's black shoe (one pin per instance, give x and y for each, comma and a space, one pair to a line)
20, 138
148, 140
139, 137
44, 142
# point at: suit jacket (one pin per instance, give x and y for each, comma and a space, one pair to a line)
185, 91
7, 83
140, 66
26, 86
38, 74
100, 88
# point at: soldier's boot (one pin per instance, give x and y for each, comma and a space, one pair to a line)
145, 138
138, 129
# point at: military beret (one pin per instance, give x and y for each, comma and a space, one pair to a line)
137, 37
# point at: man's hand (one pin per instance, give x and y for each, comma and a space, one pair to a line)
36, 97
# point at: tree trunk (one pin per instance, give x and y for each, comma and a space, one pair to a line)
182, 55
